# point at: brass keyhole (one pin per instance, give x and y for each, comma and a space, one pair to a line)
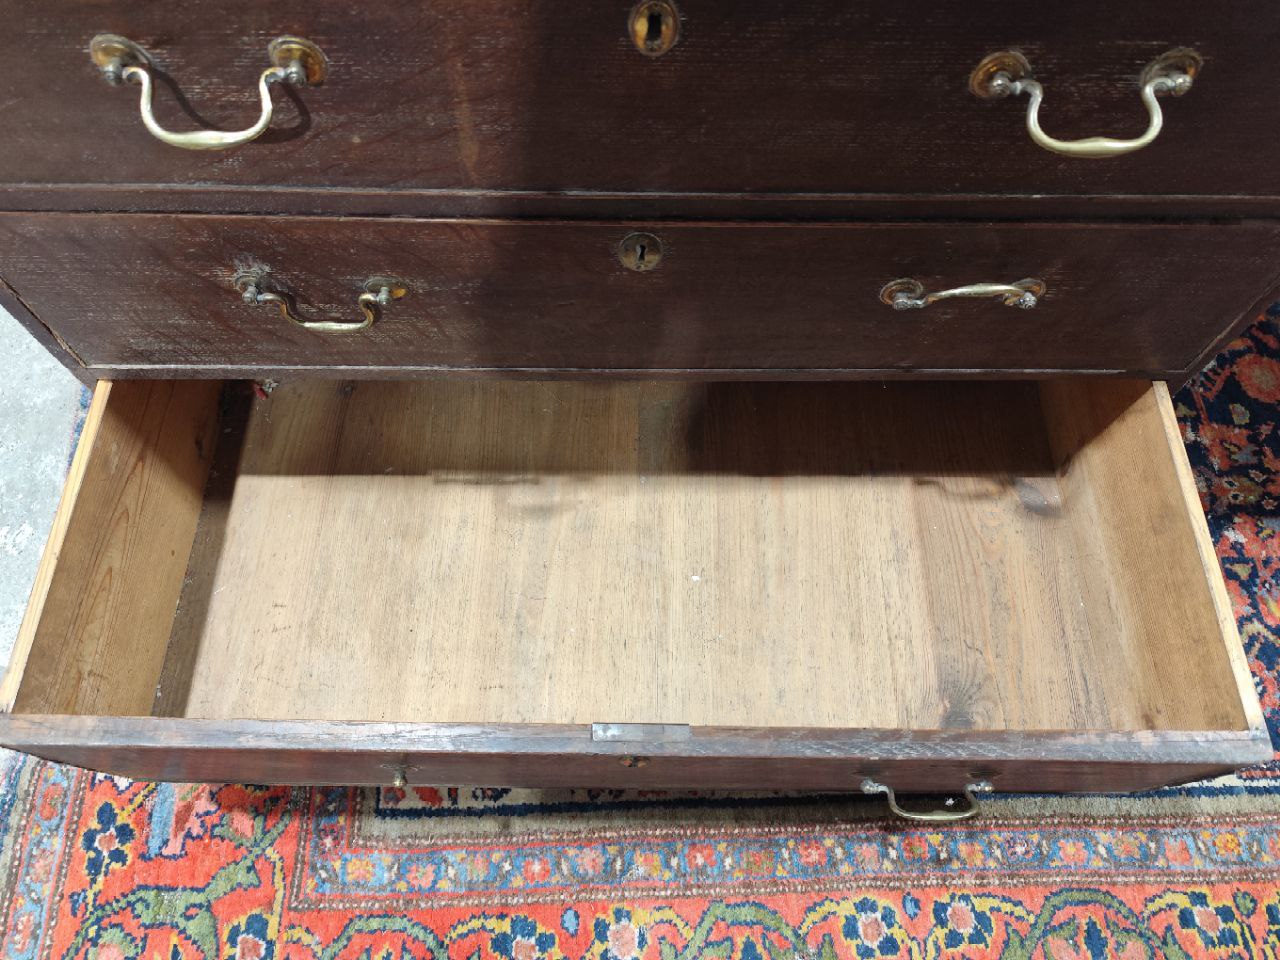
655, 27
653, 37
640, 252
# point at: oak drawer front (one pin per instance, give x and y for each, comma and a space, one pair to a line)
635, 584
760, 97
159, 295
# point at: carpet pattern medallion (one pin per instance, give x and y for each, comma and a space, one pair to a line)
100, 868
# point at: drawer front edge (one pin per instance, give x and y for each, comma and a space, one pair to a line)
536, 755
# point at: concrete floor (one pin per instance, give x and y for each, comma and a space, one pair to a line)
40, 404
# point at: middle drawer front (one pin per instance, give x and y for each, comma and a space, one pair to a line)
133, 292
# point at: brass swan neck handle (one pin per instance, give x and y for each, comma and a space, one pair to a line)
294, 60
1008, 74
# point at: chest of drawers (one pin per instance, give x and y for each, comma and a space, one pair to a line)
541, 498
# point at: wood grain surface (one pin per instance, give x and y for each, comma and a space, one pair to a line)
786, 555
130, 292
758, 97
13, 305
93, 640
319, 752
1096, 432
33, 616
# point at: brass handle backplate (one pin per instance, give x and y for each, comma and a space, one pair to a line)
1008, 74
294, 60
951, 813
256, 286
908, 294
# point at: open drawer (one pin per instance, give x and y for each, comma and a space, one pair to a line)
737, 585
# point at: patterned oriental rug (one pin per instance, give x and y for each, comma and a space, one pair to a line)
97, 867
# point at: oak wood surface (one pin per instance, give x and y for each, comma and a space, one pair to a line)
760, 97
138, 291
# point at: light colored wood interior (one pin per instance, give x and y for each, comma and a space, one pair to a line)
1000, 556
95, 632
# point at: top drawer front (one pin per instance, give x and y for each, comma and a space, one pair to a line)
758, 96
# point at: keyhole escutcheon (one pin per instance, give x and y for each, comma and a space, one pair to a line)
655, 27
640, 252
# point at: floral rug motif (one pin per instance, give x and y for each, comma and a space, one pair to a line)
99, 868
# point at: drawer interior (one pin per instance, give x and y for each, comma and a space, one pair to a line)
1005, 556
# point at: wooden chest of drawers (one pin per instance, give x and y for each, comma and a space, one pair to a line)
599, 547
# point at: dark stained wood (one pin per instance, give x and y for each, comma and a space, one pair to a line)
13, 305
758, 374
758, 96
597, 205
1230, 332
135, 291
311, 752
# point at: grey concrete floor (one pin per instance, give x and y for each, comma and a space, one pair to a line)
40, 404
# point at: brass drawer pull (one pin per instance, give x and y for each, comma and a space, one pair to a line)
870, 786
256, 287
1008, 73
293, 59
908, 294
